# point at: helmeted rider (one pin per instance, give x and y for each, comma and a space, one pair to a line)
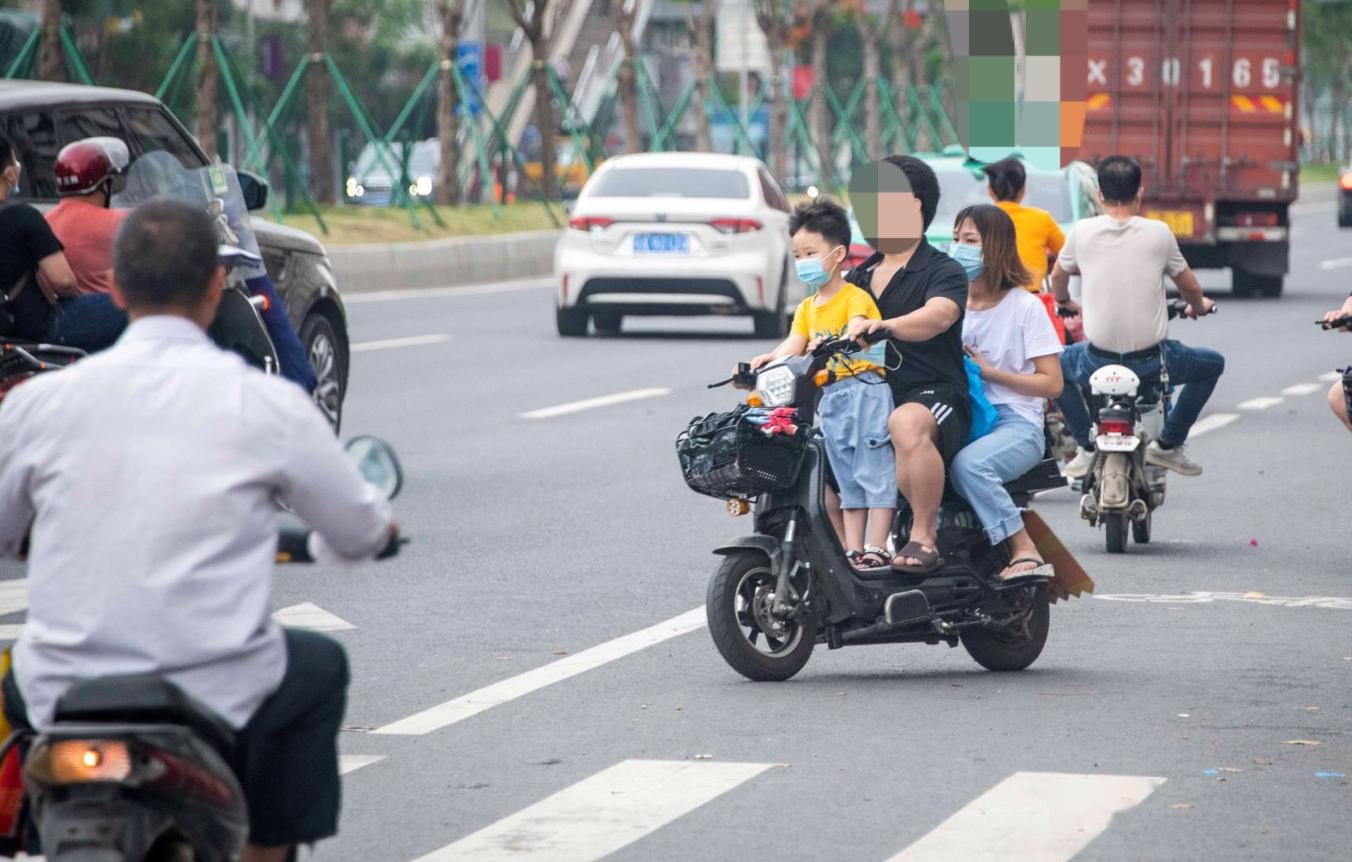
84, 220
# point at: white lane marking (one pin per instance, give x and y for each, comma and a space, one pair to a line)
509, 689
10, 632
604, 813
308, 615
1302, 389
1335, 263
392, 343
13, 596
1295, 209
352, 762
1254, 598
1214, 422
1032, 817
434, 292
1262, 403
593, 403
1330, 376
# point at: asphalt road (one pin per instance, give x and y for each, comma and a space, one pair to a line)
530, 680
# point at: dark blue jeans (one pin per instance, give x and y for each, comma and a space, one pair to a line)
90, 322
1197, 368
290, 352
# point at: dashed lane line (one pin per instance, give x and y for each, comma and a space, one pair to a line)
1252, 598
593, 403
1213, 422
1032, 817
394, 343
1335, 263
449, 291
1330, 376
1261, 403
1302, 389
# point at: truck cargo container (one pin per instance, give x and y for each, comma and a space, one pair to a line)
1204, 94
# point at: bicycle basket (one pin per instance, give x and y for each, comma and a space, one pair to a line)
724, 455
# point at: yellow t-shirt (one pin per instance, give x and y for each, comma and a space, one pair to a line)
1038, 236
829, 320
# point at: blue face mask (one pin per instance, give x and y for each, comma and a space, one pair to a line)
970, 258
812, 273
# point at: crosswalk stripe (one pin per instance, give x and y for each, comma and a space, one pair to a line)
352, 762
501, 692
13, 596
308, 615
604, 813
1032, 817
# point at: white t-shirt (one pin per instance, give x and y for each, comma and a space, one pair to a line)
1122, 265
1010, 336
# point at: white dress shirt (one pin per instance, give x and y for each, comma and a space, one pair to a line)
149, 473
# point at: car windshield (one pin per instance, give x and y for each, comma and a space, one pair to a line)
671, 182
958, 188
422, 161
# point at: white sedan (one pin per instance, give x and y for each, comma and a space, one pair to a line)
677, 234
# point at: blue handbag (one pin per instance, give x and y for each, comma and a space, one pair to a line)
984, 416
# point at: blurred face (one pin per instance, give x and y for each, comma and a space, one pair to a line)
967, 234
885, 207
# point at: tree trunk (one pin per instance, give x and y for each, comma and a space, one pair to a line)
208, 77
820, 119
935, 28
317, 96
49, 57
701, 27
627, 80
544, 116
771, 16
451, 13
868, 37
899, 38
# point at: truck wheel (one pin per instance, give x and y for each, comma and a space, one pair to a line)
1247, 284
571, 322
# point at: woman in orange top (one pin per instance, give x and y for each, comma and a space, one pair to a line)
1037, 233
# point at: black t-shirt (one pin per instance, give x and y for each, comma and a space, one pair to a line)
929, 273
25, 239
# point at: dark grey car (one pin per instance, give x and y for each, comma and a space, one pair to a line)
40, 118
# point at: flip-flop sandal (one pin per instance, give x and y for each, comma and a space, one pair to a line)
1039, 575
930, 561
872, 559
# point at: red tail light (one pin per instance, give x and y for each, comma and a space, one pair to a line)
1256, 219
1345, 181
587, 223
1121, 427
178, 777
736, 225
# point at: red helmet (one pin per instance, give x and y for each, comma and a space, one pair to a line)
81, 167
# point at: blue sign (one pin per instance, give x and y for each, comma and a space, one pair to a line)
469, 57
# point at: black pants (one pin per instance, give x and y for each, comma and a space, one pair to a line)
286, 757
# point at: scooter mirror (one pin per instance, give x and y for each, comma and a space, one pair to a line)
377, 463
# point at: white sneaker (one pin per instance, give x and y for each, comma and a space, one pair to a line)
1080, 464
1175, 459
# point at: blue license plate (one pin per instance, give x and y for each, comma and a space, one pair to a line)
661, 243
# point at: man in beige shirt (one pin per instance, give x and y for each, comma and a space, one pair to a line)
1122, 260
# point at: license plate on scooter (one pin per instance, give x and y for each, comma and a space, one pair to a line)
1117, 443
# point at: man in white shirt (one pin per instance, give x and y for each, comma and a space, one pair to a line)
149, 476
1122, 260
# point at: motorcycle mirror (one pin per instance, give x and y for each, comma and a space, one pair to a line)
377, 463
254, 189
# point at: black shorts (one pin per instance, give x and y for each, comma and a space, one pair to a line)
286, 757
951, 410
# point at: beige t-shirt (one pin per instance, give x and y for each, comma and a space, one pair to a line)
1122, 265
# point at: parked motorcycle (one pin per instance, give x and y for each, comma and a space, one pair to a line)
789, 586
133, 770
1120, 488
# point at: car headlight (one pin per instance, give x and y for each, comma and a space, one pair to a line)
354, 189
775, 386
424, 186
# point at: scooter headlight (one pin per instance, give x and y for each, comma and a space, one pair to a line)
775, 386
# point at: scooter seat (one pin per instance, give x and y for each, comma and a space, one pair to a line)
1045, 476
142, 699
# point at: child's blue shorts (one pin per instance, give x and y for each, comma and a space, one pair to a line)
854, 424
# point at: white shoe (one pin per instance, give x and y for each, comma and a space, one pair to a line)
1080, 464
1175, 459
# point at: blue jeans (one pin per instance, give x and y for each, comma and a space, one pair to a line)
295, 365
981, 469
854, 424
1197, 368
89, 322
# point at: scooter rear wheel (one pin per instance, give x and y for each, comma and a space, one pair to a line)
1005, 650
1140, 530
750, 640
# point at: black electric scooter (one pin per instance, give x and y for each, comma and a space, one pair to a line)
789, 586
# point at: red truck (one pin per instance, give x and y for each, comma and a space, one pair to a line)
1204, 94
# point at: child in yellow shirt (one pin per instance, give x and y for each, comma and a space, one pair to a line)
854, 409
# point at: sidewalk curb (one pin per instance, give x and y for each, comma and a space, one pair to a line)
444, 262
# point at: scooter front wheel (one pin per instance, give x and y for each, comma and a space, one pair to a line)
754, 642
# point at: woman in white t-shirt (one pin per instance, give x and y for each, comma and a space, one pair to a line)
1007, 333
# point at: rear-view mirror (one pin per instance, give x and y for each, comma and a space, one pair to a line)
377, 463
254, 189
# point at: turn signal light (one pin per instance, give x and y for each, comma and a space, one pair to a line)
754, 400
1120, 427
83, 761
736, 225
1345, 181
588, 223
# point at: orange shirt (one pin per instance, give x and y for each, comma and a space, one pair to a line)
1038, 236
87, 231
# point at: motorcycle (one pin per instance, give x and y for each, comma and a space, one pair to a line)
789, 586
1121, 488
133, 770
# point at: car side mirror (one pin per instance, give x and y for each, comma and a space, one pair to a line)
254, 189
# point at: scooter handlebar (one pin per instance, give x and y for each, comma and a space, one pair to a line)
1342, 322
848, 345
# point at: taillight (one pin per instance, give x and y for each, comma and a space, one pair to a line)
174, 776
588, 223
1256, 219
1121, 427
736, 225
1345, 181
